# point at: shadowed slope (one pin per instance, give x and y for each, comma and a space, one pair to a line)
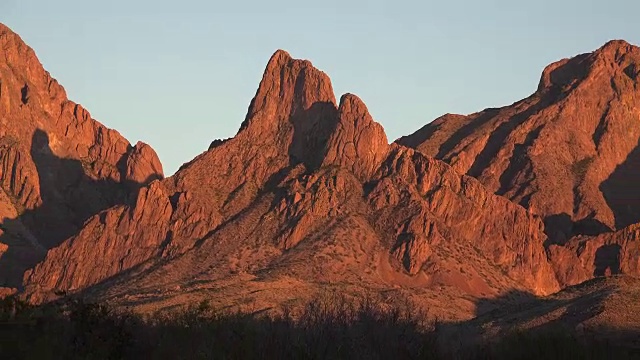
557, 151
58, 166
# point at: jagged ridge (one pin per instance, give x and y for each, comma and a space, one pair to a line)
309, 195
307, 181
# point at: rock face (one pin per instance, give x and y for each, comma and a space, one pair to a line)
568, 152
358, 143
584, 258
115, 240
454, 214
58, 166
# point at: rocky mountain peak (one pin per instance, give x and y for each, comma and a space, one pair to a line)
358, 142
615, 58
289, 88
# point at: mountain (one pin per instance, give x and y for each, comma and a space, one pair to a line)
310, 194
309, 197
569, 152
58, 166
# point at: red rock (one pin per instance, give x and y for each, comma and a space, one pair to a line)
584, 257
5, 292
143, 165
291, 102
358, 143
58, 166
427, 191
569, 153
113, 241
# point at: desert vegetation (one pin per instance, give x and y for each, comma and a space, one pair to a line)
326, 328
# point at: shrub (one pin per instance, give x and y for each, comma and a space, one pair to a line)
326, 328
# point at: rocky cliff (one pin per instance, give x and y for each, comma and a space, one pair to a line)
58, 166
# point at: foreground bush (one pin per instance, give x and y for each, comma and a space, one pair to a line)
324, 329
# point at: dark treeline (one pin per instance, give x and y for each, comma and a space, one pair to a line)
324, 329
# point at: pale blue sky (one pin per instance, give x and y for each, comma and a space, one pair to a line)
179, 74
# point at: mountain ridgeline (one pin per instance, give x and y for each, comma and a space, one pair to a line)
310, 196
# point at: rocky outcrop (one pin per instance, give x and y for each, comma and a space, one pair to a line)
115, 240
286, 126
429, 205
358, 143
584, 257
413, 247
142, 164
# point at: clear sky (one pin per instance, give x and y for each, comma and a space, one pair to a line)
179, 74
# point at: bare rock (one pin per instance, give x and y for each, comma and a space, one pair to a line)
358, 142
